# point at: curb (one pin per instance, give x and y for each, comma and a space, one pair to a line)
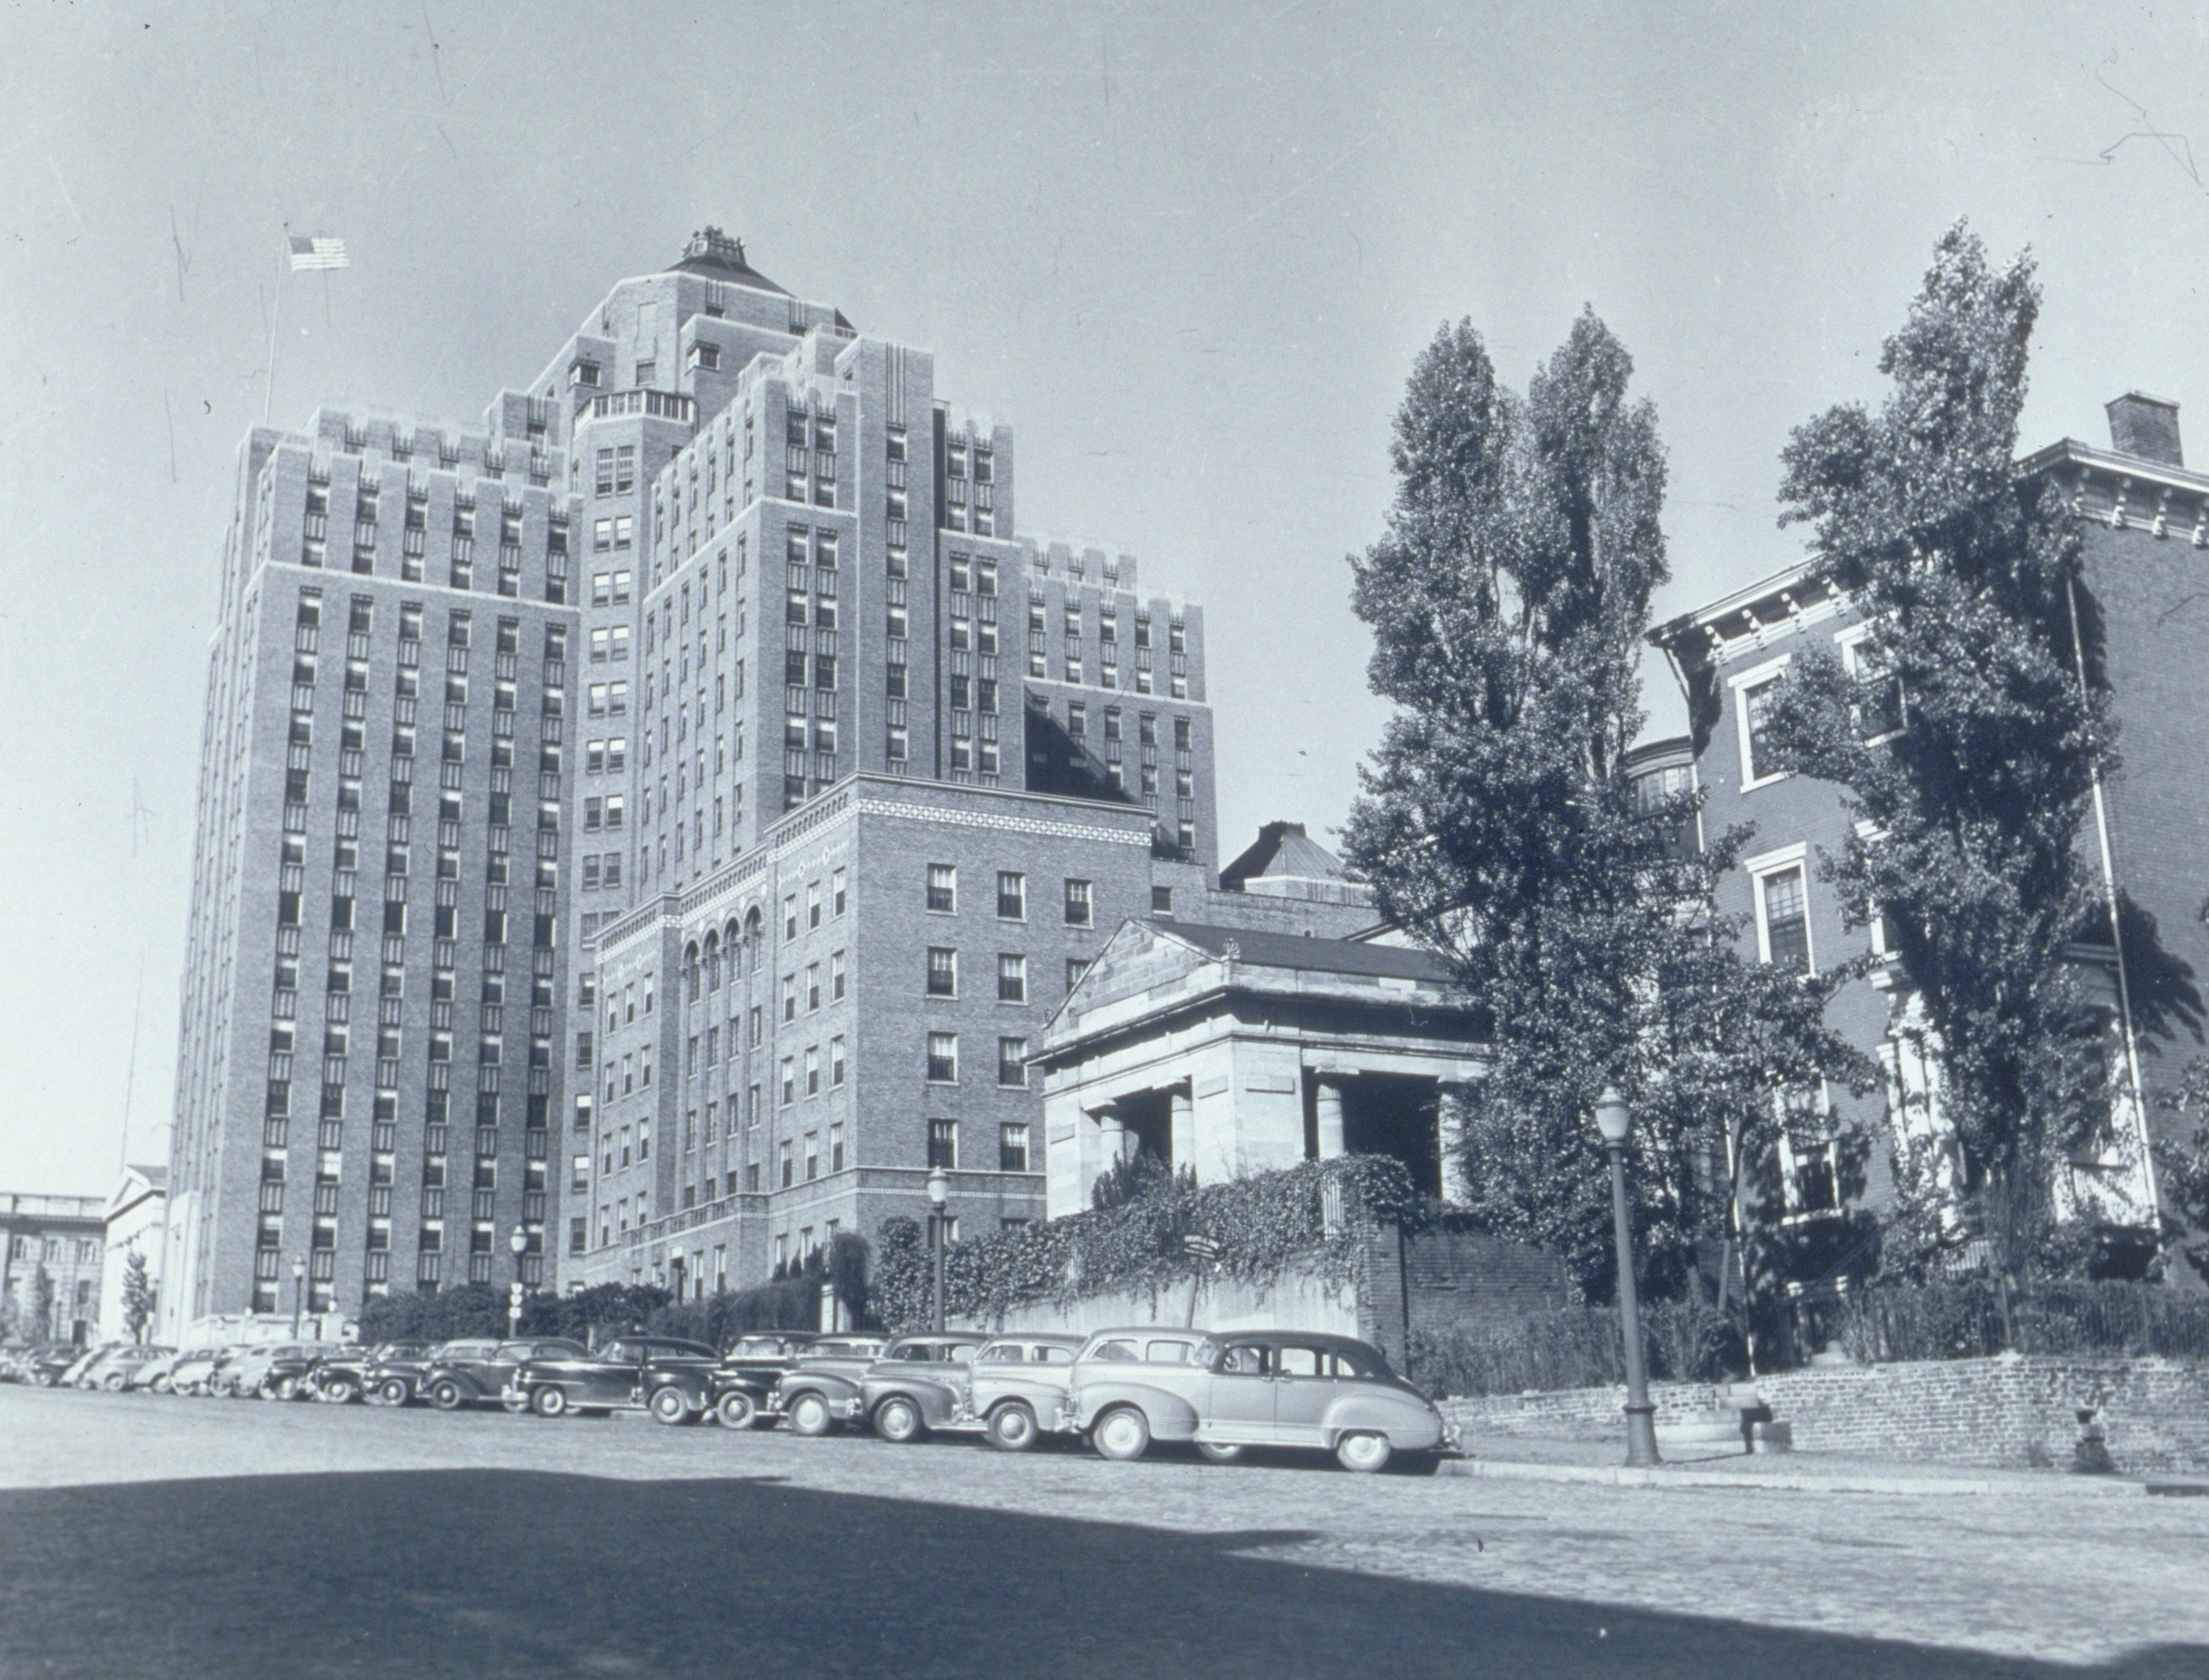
2067, 1487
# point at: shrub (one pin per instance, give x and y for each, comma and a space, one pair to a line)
1574, 1348
1316, 1214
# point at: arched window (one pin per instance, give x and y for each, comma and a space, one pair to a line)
690, 973
713, 962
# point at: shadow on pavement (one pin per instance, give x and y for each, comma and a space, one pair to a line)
491, 1574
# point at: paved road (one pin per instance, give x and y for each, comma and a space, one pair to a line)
148, 1536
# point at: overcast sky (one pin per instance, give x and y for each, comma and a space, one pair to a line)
1188, 252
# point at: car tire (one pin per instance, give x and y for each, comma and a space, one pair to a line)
112, 1382
810, 1415
1220, 1452
1123, 1433
668, 1405
46, 1379
549, 1402
266, 1390
159, 1385
446, 1396
287, 1387
340, 1394
737, 1410
1013, 1427
392, 1391
898, 1420
1362, 1450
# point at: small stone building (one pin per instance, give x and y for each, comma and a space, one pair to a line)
1235, 1051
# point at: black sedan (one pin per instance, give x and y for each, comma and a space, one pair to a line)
613, 1379
472, 1374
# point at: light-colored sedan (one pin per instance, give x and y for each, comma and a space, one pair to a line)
1017, 1391
1251, 1389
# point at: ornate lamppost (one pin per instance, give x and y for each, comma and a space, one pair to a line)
517, 1245
1613, 1122
939, 1192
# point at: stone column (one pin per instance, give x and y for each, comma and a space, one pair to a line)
1185, 1128
1449, 1126
1330, 1117
1113, 1132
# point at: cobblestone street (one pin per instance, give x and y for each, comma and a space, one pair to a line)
150, 1536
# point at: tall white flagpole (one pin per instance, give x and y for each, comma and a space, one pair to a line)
276, 321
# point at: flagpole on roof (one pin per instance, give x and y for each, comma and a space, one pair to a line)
276, 320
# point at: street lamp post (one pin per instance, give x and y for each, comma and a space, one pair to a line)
1613, 1122
517, 1245
298, 1283
939, 1192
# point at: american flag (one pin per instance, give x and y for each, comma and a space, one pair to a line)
317, 252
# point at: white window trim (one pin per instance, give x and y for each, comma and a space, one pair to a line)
1848, 641
1790, 1160
1741, 682
1767, 864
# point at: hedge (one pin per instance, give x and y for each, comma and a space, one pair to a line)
1573, 1348
1315, 1215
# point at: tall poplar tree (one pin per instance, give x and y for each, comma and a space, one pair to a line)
1967, 740
1508, 598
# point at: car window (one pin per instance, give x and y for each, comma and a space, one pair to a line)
1054, 1353
619, 1351
963, 1352
1245, 1360
1349, 1362
1167, 1352
1296, 1361
993, 1356
1118, 1351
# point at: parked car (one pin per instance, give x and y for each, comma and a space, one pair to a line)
471, 1373
194, 1373
340, 1378
394, 1378
610, 1380
918, 1385
114, 1370
1251, 1389
1016, 1389
156, 1375
270, 1370
43, 1366
737, 1391
86, 1358
822, 1388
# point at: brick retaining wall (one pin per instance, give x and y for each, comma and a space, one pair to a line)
2012, 1410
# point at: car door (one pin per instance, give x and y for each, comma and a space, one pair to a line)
1303, 1389
609, 1379
1239, 1400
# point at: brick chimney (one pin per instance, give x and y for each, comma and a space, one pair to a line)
2146, 426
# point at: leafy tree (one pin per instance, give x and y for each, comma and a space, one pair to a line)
138, 1300
1967, 741
40, 1310
1508, 597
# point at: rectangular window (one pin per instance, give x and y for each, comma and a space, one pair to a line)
1075, 968
835, 1063
1012, 978
1011, 1061
1077, 903
1783, 922
1013, 1146
943, 1144
943, 972
942, 888
1012, 896
943, 1059
1753, 693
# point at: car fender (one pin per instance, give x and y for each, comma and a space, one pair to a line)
1170, 1417
938, 1403
829, 1387
1409, 1427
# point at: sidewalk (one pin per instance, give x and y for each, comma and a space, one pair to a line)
1547, 1458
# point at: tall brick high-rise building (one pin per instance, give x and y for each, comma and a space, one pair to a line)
781, 786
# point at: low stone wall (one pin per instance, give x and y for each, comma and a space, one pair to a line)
2013, 1409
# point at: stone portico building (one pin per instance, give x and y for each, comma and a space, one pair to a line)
1236, 1051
